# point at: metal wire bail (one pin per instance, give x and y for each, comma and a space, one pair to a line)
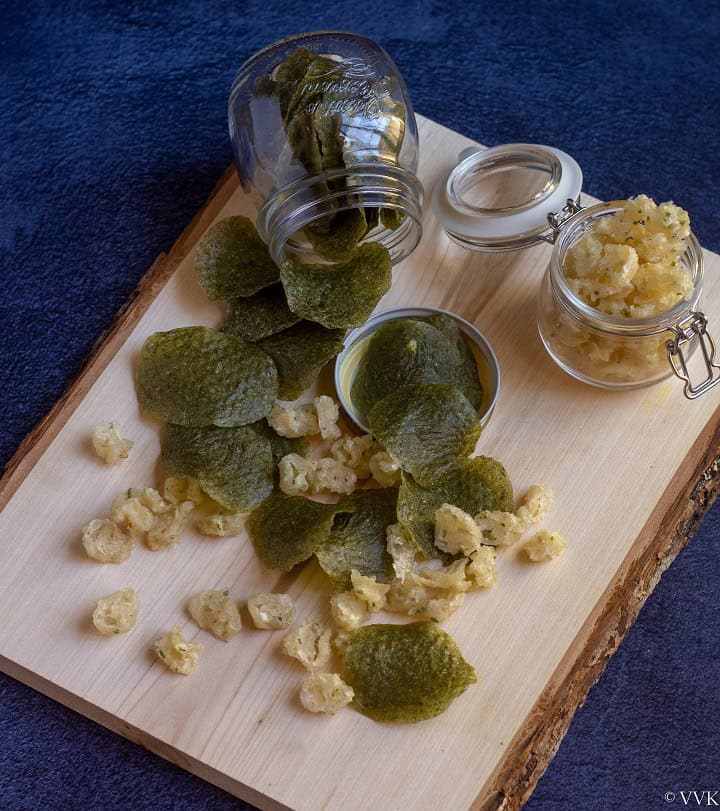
693, 326
556, 221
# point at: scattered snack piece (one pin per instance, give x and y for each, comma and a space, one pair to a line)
117, 613
260, 315
358, 538
405, 672
499, 528
197, 376
176, 653
356, 452
105, 541
402, 551
325, 692
449, 578
440, 608
340, 642
374, 594
220, 525
214, 611
535, 505
234, 466
328, 413
385, 470
271, 611
129, 512
545, 545
233, 261
482, 569
109, 444
294, 422
151, 499
166, 530
300, 353
348, 611
407, 597
178, 489
426, 427
334, 477
309, 643
455, 531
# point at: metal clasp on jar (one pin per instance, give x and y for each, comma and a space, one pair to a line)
557, 221
693, 326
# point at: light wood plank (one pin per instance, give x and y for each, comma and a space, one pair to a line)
623, 466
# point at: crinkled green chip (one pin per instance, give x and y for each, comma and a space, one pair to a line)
426, 427
199, 376
233, 261
260, 315
467, 374
300, 353
286, 530
473, 485
391, 218
341, 295
336, 236
234, 466
405, 352
405, 673
358, 539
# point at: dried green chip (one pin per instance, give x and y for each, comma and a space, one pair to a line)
358, 540
467, 375
300, 353
391, 218
260, 315
336, 237
473, 485
233, 261
341, 295
234, 466
426, 427
286, 530
405, 352
405, 673
199, 376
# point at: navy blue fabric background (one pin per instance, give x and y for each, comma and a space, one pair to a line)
113, 133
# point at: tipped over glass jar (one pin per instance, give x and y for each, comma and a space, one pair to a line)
324, 133
595, 322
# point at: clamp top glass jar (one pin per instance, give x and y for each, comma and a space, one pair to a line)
511, 197
324, 133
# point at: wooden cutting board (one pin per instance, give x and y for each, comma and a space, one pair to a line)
633, 474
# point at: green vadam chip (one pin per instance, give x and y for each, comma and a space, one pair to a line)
199, 376
405, 673
336, 236
473, 485
467, 379
405, 352
287, 530
358, 540
260, 315
232, 260
299, 353
234, 466
426, 428
341, 295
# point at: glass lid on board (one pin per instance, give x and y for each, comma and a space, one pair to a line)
502, 198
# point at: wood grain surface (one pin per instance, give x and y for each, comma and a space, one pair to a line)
633, 474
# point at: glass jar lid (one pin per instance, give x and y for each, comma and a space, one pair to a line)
501, 198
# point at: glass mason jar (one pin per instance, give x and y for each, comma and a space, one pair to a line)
513, 196
324, 134
612, 352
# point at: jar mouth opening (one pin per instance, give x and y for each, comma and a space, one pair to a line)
577, 225
310, 199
